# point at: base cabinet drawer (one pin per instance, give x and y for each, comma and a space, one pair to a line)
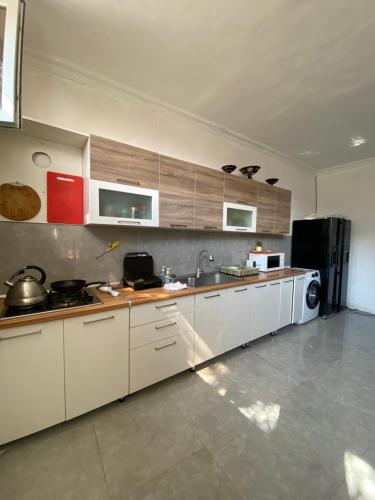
158, 330
163, 309
154, 362
31, 379
96, 360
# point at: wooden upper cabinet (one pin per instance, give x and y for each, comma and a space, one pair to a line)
240, 190
209, 193
266, 208
113, 161
176, 193
283, 201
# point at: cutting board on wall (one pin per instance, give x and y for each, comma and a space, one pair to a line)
64, 198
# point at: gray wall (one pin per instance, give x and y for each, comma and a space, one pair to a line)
68, 251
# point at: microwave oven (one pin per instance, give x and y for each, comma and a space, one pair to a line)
267, 261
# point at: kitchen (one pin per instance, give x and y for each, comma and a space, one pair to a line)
199, 367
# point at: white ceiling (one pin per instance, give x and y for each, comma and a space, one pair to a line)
295, 75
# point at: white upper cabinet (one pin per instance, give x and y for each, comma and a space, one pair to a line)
118, 204
237, 217
11, 27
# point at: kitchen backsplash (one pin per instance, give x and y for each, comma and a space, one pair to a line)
68, 251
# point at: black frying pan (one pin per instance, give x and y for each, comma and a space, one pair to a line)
71, 286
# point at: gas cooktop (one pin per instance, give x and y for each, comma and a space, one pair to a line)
55, 302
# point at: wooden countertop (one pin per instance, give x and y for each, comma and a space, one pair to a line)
129, 297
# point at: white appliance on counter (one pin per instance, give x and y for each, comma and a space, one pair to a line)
120, 204
237, 217
267, 261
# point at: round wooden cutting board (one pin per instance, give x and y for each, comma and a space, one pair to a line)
18, 202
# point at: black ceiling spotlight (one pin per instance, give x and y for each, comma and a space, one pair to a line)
250, 170
228, 169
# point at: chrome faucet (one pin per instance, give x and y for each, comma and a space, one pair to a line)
210, 258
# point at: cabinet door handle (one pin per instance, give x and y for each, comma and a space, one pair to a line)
261, 286
289, 281
166, 305
128, 222
96, 320
241, 290
164, 346
274, 284
165, 326
212, 296
238, 229
178, 225
128, 181
299, 279
210, 227
22, 335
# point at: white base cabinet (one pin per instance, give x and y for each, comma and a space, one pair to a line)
31, 379
286, 302
298, 298
209, 338
265, 308
96, 360
161, 340
237, 317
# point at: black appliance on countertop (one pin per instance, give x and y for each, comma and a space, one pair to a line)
324, 244
139, 271
55, 301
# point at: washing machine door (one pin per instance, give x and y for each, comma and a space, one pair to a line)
313, 294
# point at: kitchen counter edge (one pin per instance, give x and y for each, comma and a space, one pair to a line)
129, 297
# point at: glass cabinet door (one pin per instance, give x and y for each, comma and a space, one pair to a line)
112, 203
237, 217
122, 205
11, 27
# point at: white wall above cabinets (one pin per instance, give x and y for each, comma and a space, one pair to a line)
31, 379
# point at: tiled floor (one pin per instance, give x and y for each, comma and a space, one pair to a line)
292, 417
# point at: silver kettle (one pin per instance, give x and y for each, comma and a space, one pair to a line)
27, 291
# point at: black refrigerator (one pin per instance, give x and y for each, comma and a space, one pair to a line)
324, 244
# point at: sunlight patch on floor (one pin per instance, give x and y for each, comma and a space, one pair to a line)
360, 477
265, 417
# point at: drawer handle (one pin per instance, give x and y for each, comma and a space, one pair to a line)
128, 181
164, 346
166, 305
210, 227
261, 286
274, 284
96, 320
22, 335
128, 222
241, 290
165, 326
212, 296
178, 225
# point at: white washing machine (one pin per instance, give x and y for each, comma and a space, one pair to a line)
306, 296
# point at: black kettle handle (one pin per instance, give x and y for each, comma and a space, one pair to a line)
37, 268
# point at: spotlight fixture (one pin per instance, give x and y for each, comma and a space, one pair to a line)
250, 170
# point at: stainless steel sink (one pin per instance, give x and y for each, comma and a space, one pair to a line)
207, 279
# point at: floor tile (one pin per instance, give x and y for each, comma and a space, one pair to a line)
60, 463
141, 438
196, 477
